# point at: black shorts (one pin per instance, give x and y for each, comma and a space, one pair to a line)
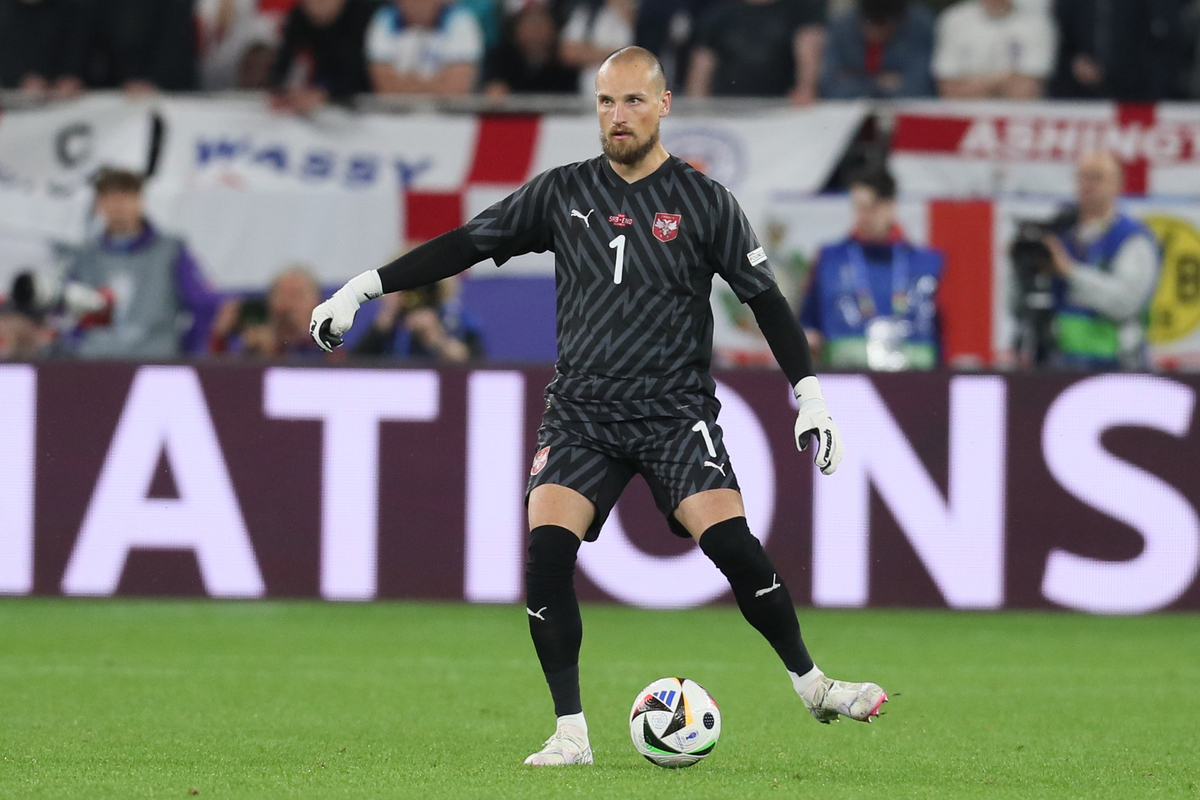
677, 457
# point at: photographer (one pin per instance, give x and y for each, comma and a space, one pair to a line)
1085, 279
272, 327
425, 323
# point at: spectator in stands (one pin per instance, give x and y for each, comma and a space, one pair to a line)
254, 67
872, 298
1129, 50
994, 48
424, 47
140, 46
881, 49
274, 327
759, 48
527, 59
151, 286
592, 33
429, 323
33, 44
1105, 268
321, 57
666, 28
235, 40
487, 14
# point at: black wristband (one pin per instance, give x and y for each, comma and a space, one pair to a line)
440, 257
788, 343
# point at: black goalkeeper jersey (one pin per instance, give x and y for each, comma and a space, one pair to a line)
633, 270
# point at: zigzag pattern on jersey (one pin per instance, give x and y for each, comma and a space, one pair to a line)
597, 459
644, 345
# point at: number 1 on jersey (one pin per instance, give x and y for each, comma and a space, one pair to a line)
708, 442
619, 245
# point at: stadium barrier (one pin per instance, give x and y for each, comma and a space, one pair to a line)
969, 491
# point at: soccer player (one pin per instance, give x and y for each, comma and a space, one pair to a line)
637, 236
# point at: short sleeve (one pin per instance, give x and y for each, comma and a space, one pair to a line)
463, 41
517, 224
576, 28
735, 251
1038, 53
381, 44
946, 63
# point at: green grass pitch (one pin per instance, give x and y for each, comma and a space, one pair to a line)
134, 699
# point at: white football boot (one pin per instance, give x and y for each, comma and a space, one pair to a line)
826, 699
568, 745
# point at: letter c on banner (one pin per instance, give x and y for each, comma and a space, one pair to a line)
633, 576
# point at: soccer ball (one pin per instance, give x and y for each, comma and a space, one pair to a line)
674, 723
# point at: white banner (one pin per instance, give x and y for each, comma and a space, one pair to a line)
989, 148
47, 157
253, 191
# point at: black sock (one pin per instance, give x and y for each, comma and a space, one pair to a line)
554, 621
760, 594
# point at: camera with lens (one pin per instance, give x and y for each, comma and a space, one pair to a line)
1033, 268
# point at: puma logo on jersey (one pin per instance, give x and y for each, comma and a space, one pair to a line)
774, 585
718, 467
584, 217
537, 614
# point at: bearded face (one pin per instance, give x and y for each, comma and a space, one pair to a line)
622, 145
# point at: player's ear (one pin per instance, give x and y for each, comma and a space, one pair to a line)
665, 108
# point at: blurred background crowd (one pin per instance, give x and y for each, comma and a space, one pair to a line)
134, 291
309, 52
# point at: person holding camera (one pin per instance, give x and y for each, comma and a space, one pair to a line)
1085, 279
872, 298
275, 326
427, 323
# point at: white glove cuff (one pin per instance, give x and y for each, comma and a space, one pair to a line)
808, 390
366, 286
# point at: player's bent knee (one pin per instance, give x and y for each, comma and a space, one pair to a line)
703, 510
730, 543
733, 531
552, 548
551, 504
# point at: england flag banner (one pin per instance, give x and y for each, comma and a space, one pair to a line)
990, 148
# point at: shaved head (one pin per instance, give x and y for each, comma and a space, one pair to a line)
1101, 162
1098, 181
635, 56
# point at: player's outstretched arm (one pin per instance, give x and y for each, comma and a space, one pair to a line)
790, 348
440, 257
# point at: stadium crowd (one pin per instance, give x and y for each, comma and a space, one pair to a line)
309, 52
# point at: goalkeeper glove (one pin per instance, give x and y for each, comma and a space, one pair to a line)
335, 316
814, 420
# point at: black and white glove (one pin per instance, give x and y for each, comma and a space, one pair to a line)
814, 420
335, 316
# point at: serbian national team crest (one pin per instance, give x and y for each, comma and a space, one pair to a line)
666, 226
539, 461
